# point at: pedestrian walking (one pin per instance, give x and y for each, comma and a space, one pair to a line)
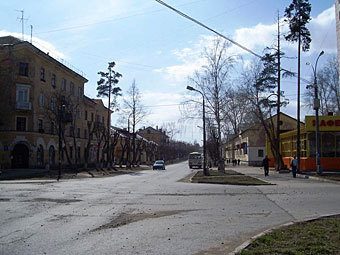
265, 164
238, 162
293, 164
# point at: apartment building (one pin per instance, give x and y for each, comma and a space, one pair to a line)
31, 83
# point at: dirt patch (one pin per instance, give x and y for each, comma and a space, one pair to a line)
54, 200
126, 218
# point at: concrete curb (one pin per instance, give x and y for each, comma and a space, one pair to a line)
269, 230
319, 179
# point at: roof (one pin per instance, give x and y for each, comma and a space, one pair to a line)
15, 42
160, 131
256, 126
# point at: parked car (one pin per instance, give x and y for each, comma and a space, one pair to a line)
159, 164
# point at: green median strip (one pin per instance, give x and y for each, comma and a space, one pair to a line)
229, 177
314, 237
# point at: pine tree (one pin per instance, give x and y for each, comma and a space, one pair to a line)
107, 87
298, 15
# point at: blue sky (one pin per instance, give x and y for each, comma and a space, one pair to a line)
157, 47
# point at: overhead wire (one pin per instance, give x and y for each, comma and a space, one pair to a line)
208, 28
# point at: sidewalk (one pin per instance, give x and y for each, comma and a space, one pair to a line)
16, 174
20, 174
258, 172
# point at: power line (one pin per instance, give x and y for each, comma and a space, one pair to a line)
206, 27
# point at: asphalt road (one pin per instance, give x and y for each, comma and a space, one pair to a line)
150, 212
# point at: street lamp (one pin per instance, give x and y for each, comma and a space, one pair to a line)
205, 170
316, 108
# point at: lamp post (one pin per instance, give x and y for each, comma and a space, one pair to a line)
205, 170
316, 108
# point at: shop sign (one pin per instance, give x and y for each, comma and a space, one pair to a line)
326, 123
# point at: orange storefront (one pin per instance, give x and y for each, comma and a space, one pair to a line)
329, 127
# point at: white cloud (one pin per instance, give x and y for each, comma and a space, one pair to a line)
190, 60
323, 32
255, 38
41, 44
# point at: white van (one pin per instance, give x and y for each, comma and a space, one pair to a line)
195, 160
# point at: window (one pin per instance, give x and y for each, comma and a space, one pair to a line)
102, 119
23, 69
79, 113
97, 118
53, 80
91, 116
52, 104
72, 88
40, 125
41, 100
260, 153
80, 92
85, 115
22, 97
78, 132
78, 152
63, 84
71, 152
85, 133
71, 131
52, 128
328, 144
42, 74
21, 124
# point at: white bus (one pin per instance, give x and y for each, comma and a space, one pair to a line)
195, 160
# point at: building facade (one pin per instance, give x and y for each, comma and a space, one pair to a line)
329, 127
33, 83
250, 146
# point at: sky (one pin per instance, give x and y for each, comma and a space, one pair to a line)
160, 49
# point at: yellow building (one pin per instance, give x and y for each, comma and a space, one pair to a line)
329, 127
156, 135
30, 81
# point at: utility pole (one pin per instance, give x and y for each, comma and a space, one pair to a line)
278, 167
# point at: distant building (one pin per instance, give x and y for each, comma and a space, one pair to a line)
156, 135
250, 145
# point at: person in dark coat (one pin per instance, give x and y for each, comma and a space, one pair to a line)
294, 164
265, 164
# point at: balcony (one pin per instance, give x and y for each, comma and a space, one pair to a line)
23, 106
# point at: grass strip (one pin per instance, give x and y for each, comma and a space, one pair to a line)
321, 236
230, 177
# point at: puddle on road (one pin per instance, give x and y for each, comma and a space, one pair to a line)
126, 218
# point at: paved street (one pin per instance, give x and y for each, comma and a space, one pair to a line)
150, 212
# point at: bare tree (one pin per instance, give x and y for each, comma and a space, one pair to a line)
134, 110
213, 81
170, 129
328, 88
235, 111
